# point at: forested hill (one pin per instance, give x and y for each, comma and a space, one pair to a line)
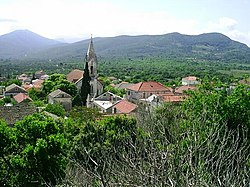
210, 46
21, 43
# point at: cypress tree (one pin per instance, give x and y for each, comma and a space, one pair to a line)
85, 89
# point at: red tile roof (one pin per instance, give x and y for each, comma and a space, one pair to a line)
125, 107
245, 81
21, 97
37, 84
190, 78
173, 98
183, 88
75, 75
150, 86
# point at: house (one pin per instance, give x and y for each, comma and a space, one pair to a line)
75, 75
2, 79
36, 84
143, 90
123, 85
61, 97
245, 81
158, 99
190, 80
123, 107
182, 89
2, 88
23, 78
13, 90
22, 98
39, 74
105, 101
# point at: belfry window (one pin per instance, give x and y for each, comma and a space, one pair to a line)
91, 69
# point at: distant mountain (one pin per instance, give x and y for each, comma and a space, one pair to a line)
20, 43
210, 46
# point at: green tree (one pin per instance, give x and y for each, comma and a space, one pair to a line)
83, 114
38, 152
218, 103
101, 142
85, 88
56, 109
6, 143
59, 81
36, 94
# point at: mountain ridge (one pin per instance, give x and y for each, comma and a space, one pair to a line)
23, 42
207, 46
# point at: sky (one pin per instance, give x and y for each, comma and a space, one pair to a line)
73, 20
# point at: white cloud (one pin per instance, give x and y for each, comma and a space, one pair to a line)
222, 24
229, 27
77, 18
58, 19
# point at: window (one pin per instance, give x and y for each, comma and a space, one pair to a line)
115, 110
91, 69
91, 89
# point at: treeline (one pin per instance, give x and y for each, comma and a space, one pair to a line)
161, 69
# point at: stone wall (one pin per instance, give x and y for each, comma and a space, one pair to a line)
11, 114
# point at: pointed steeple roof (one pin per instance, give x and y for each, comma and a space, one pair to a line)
91, 52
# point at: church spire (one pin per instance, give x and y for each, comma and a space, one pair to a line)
91, 51
92, 59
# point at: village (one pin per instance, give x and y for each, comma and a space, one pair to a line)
149, 94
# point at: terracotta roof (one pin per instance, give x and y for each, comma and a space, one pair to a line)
190, 78
27, 86
75, 75
173, 98
150, 86
21, 97
183, 88
125, 107
245, 81
38, 83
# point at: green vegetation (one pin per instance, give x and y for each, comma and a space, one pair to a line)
33, 152
56, 109
202, 142
59, 81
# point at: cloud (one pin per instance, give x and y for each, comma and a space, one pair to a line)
227, 23
222, 24
229, 27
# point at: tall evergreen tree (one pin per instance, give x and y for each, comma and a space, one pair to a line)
85, 89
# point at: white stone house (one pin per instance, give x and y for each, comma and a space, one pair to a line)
60, 97
105, 101
190, 80
143, 90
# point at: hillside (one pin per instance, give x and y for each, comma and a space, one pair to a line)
23, 42
210, 46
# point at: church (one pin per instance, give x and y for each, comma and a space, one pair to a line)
75, 76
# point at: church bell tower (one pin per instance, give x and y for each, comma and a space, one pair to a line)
91, 59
